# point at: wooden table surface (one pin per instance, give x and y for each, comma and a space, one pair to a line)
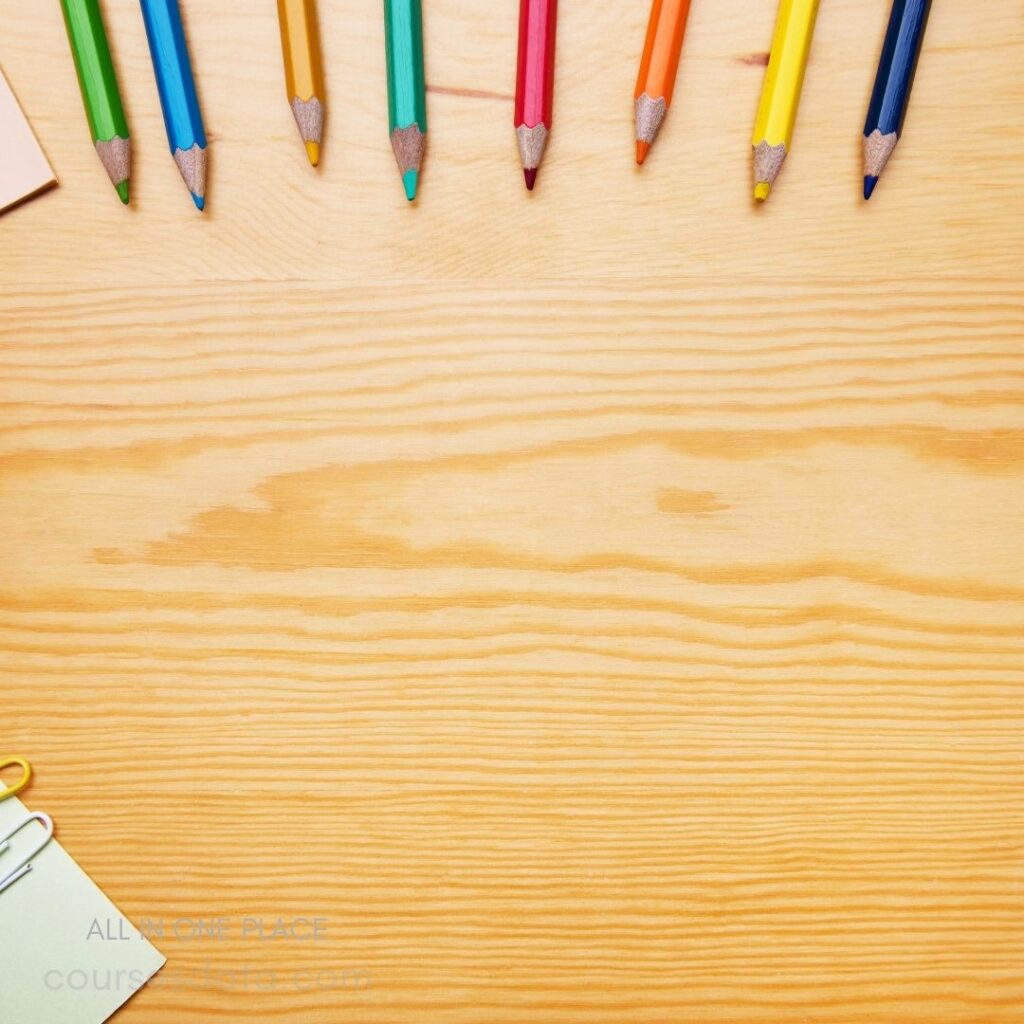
599, 606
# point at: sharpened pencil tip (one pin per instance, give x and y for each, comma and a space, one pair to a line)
410, 180
192, 165
122, 191
642, 150
530, 175
870, 181
761, 190
313, 152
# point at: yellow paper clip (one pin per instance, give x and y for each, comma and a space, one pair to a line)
26, 774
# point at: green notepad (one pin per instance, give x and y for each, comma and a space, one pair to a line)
57, 965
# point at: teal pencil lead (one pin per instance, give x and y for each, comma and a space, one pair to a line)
199, 201
410, 180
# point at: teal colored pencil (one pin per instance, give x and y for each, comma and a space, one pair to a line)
407, 88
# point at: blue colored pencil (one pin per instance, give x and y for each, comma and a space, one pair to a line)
891, 95
177, 88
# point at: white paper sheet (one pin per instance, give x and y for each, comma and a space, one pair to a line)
55, 968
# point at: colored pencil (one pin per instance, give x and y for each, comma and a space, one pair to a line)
656, 80
303, 72
97, 81
535, 82
780, 95
177, 89
891, 95
407, 88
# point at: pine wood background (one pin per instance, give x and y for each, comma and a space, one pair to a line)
598, 606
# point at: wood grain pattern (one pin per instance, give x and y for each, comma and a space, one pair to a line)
647, 646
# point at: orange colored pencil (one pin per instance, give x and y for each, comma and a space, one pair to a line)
657, 79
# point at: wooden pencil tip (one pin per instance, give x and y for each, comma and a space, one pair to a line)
116, 156
532, 142
649, 112
192, 165
408, 144
768, 161
877, 150
309, 116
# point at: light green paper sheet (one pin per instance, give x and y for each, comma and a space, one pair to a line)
51, 970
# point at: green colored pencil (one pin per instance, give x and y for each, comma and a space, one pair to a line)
407, 87
98, 82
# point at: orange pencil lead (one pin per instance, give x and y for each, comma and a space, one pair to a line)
641, 150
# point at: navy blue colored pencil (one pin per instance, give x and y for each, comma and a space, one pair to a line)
891, 95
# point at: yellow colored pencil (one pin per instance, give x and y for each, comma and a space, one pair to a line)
780, 95
303, 72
